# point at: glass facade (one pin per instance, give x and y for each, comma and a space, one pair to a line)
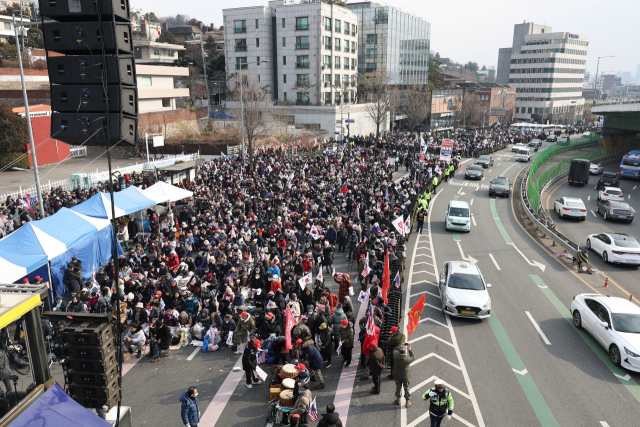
393, 41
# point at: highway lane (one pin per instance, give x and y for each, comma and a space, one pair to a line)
624, 275
493, 349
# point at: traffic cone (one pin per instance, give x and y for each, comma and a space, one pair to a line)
606, 282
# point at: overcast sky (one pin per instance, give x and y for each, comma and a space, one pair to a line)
469, 30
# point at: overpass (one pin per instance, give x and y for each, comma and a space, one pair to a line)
621, 121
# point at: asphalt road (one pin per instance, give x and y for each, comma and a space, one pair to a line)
624, 275
505, 372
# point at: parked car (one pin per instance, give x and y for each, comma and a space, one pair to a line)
463, 291
614, 323
474, 172
595, 169
500, 186
611, 193
484, 161
572, 207
616, 210
518, 146
617, 248
608, 179
535, 143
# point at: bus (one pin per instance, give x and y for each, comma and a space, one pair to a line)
630, 164
537, 128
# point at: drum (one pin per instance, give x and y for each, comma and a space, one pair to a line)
286, 399
288, 384
284, 419
289, 371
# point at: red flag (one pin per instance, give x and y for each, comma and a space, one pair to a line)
289, 324
385, 278
415, 314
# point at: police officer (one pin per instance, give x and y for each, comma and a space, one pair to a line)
427, 197
441, 403
420, 220
447, 170
434, 182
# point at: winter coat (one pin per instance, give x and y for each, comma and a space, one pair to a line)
330, 420
313, 355
365, 345
331, 235
249, 357
189, 411
228, 326
303, 403
136, 337
327, 342
402, 365
335, 320
249, 325
346, 335
191, 306
164, 335
344, 289
376, 360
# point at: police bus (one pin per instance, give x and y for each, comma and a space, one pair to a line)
630, 164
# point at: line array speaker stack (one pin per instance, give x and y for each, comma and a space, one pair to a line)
94, 99
91, 363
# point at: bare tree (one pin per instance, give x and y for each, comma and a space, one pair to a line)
472, 110
256, 106
417, 106
379, 98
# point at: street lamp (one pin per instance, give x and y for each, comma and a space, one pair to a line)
218, 93
242, 106
204, 70
595, 88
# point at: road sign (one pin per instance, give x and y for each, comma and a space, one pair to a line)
350, 121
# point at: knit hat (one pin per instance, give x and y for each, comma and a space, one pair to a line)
323, 326
344, 322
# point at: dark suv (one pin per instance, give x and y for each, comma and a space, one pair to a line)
608, 179
500, 186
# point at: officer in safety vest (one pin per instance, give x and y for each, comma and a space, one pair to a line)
441, 403
447, 170
434, 182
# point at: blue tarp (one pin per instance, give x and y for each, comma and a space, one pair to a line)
55, 408
126, 202
222, 116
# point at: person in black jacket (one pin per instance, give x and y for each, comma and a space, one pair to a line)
71, 279
331, 418
163, 340
250, 362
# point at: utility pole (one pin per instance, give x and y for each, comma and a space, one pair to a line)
26, 112
595, 87
484, 110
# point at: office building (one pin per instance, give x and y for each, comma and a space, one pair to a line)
392, 41
547, 69
311, 48
638, 72
504, 54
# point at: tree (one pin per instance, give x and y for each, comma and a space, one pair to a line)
151, 17
484, 68
417, 106
13, 131
168, 37
256, 105
471, 66
472, 109
335, 2
587, 115
216, 66
436, 81
379, 98
35, 37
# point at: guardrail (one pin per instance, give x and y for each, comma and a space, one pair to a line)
551, 176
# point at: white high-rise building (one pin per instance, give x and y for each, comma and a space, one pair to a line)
310, 47
548, 74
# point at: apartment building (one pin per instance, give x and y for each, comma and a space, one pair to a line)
156, 87
155, 53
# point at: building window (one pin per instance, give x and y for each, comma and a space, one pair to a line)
7, 25
257, 23
284, 60
337, 62
327, 61
241, 63
257, 42
370, 67
327, 24
241, 45
302, 42
371, 52
337, 26
337, 97
284, 78
346, 45
336, 79
353, 47
146, 81
282, 22
338, 44
353, 64
302, 23
258, 60
372, 39
258, 78
327, 43
284, 41
284, 96
240, 26
166, 102
3, 4
302, 80
353, 96
529, 110
346, 28
302, 98
302, 61
327, 97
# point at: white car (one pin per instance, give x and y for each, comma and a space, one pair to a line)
611, 193
572, 207
614, 323
617, 248
563, 139
464, 291
517, 147
595, 169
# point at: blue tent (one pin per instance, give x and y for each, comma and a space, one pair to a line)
14, 266
126, 202
222, 116
55, 408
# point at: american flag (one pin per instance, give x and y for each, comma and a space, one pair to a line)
365, 270
397, 279
313, 410
371, 326
262, 356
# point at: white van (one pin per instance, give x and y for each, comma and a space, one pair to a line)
523, 155
458, 216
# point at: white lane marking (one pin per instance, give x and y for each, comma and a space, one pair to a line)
425, 292
473, 218
588, 198
471, 204
499, 164
430, 336
430, 355
490, 170
632, 189
542, 287
523, 372
594, 214
433, 320
540, 265
460, 192
629, 196
425, 271
466, 258
430, 380
423, 262
494, 261
604, 424
535, 325
626, 377
194, 353
483, 178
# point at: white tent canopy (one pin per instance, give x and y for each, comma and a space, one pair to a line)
158, 198
171, 192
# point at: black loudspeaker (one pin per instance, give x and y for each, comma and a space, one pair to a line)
86, 69
87, 128
90, 98
70, 10
86, 37
88, 377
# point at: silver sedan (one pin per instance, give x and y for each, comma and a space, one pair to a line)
596, 169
